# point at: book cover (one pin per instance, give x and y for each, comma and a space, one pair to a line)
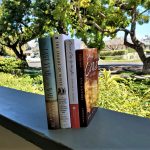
61, 79
48, 71
87, 81
71, 46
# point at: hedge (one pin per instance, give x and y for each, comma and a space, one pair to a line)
147, 51
11, 65
119, 57
112, 53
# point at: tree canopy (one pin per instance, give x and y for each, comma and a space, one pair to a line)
18, 25
107, 17
91, 20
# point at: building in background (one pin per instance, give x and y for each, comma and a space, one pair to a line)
33, 54
115, 44
146, 41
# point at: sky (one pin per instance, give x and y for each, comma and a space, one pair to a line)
141, 31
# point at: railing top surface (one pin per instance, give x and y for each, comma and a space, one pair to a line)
107, 130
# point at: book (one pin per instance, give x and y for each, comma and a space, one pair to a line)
87, 82
71, 46
49, 81
61, 79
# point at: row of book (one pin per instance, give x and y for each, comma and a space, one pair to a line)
70, 77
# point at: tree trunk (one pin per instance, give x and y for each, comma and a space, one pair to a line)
146, 66
146, 60
19, 55
138, 47
61, 29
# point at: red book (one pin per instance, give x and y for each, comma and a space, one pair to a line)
87, 83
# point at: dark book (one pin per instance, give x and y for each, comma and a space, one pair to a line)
87, 83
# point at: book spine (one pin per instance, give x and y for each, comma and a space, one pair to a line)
71, 46
47, 63
61, 78
81, 88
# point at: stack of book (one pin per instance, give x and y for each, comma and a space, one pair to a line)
70, 77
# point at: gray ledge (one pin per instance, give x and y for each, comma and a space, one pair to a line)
24, 113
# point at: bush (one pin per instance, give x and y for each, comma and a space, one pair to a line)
147, 51
119, 94
112, 53
11, 65
112, 57
24, 83
123, 95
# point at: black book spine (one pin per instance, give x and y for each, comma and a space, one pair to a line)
81, 88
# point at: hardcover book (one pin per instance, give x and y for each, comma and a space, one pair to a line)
71, 46
87, 81
61, 79
47, 63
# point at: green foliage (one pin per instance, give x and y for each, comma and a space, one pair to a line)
113, 53
108, 17
2, 51
141, 88
48, 12
130, 50
123, 95
111, 57
116, 93
11, 65
24, 83
18, 25
147, 51
9, 52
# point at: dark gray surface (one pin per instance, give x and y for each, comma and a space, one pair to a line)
24, 113
23, 107
108, 130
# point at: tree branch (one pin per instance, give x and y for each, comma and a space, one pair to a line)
102, 15
107, 31
126, 43
143, 12
117, 30
3, 44
95, 25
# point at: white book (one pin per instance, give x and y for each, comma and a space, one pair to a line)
71, 46
61, 79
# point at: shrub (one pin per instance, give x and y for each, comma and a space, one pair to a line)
24, 83
112, 57
112, 53
11, 65
117, 94
148, 51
